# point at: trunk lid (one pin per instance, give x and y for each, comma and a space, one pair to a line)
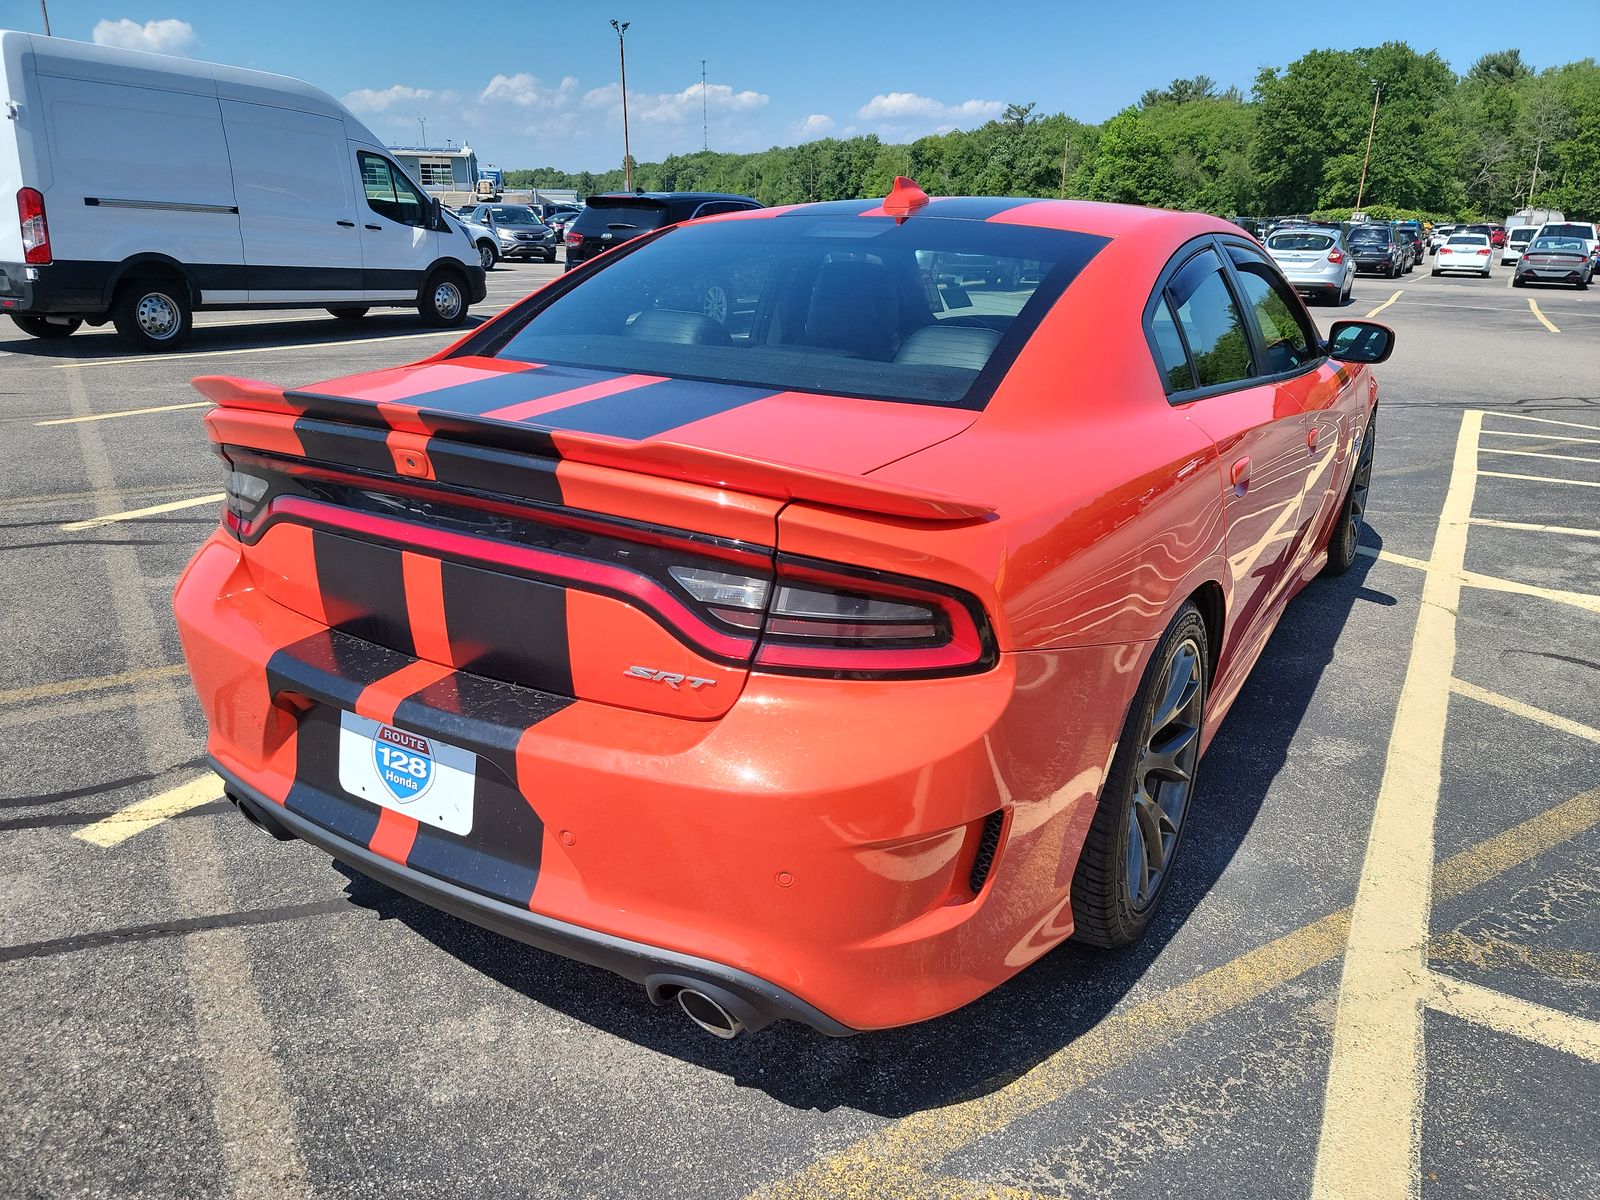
557, 528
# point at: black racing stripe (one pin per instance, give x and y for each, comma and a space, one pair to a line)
975, 208
363, 589
347, 445
653, 409
496, 389
507, 627
530, 474
330, 666
316, 793
499, 857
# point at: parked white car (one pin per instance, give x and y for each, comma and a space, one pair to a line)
1517, 239
150, 187
1465, 252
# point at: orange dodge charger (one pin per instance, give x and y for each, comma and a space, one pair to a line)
812, 613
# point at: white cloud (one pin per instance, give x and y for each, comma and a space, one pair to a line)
371, 100
907, 114
525, 91
815, 126
167, 36
677, 108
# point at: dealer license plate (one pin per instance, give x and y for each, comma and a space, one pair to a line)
421, 777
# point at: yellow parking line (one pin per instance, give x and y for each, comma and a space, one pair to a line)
1529, 527
1541, 479
1370, 1117
1526, 711
1492, 583
1538, 454
895, 1161
1543, 320
76, 687
161, 358
135, 513
126, 412
145, 814
1387, 302
1510, 1014
1497, 954
1546, 421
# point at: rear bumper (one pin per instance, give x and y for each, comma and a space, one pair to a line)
661, 972
71, 288
810, 853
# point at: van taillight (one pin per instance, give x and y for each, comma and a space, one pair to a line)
824, 619
35, 230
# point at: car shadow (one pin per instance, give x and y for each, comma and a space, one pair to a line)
318, 329
1004, 1034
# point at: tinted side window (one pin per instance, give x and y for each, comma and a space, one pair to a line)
390, 194
1211, 322
1171, 357
1275, 314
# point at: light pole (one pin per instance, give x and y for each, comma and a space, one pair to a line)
622, 59
423, 121
1361, 189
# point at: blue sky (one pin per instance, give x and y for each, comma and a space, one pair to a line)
541, 90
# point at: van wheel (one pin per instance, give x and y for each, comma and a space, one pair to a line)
348, 314
153, 313
443, 301
487, 256
48, 330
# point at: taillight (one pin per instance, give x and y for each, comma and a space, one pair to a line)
823, 619
574, 238
244, 493
35, 229
1335, 257
1481, 252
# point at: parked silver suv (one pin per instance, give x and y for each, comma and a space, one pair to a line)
519, 231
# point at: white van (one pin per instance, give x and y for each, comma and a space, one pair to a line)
149, 187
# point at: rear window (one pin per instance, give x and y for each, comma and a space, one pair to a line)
929, 311
1299, 241
1569, 230
1520, 235
1468, 239
1558, 245
631, 217
1366, 233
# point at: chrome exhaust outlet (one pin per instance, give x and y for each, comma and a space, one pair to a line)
709, 1014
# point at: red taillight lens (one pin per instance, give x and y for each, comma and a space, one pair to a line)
1483, 251
244, 493
35, 229
574, 238
1335, 257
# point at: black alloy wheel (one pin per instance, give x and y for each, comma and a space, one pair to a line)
1134, 838
1346, 533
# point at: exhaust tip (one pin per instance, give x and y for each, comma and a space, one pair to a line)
708, 1014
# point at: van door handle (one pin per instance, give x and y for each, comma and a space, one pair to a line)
348, 224
1240, 475
376, 228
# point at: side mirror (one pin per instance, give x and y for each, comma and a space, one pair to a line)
1360, 342
436, 215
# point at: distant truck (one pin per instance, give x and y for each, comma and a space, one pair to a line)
1534, 217
490, 186
148, 188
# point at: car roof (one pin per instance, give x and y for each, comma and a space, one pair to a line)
670, 196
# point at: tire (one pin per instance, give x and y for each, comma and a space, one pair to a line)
487, 255
348, 314
1436, 272
714, 298
1345, 535
1344, 296
1518, 281
153, 313
48, 331
551, 257
443, 300
1106, 909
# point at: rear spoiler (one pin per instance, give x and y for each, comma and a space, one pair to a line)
260, 416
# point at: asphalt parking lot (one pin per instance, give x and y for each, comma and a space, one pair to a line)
1378, 973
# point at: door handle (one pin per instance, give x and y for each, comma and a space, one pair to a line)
348, 224
1240, 475
376, 228
1311, 438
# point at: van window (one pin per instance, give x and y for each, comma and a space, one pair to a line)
390, 194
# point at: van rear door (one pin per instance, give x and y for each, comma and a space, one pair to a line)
297, 205
397, 246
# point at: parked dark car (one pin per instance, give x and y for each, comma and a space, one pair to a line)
610, 220
1379, 250
1412, 231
